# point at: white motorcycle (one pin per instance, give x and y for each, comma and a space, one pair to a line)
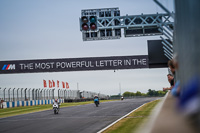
55, 108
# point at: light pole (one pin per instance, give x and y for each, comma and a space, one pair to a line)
120, 89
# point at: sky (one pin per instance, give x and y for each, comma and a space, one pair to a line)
49, 29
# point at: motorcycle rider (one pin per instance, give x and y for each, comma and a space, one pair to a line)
56, 102
96, 98
122, 98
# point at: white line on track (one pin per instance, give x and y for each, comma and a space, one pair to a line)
119, 119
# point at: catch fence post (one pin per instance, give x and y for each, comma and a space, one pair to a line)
25, 97
18, 94
21, 94
4, 94
14, 94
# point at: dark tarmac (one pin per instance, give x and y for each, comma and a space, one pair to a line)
75, 119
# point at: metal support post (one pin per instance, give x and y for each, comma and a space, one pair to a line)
21, 94
4, 93
165, 9
9, 94
25, 97
14, 94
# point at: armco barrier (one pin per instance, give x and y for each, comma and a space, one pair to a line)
29, 103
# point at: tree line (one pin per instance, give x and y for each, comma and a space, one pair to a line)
149, 93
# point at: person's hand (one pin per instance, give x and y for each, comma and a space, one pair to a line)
164, 89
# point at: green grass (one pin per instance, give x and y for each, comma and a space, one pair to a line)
30, 109
130, 123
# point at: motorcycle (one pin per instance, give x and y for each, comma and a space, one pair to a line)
122, 98
55, 108
96, 101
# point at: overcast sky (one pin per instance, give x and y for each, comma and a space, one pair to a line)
49, 29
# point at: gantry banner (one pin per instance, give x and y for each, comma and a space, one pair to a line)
74, 64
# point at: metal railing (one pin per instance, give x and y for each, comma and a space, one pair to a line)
27, 94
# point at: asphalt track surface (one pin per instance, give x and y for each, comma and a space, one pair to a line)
76, 119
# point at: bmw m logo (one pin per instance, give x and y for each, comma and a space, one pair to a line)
9, 67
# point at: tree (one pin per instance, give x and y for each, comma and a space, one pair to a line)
138, 93
155, 93
149, 93
143, 94
126, 94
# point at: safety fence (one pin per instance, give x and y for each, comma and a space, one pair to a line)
27, 103
25, 94
28, 94
15, 97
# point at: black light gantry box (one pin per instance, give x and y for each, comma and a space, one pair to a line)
157, 59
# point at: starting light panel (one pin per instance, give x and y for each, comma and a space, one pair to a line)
106, 23
90, 27
88, 23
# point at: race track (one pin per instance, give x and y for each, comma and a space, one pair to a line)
76, 119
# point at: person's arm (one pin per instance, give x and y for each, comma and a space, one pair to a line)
168, 88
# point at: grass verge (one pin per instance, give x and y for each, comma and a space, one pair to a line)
30, 109
131, 123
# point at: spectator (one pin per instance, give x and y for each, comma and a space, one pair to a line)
176, 89
171, 66
171, 81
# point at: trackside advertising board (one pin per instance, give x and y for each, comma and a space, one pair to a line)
74, 64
